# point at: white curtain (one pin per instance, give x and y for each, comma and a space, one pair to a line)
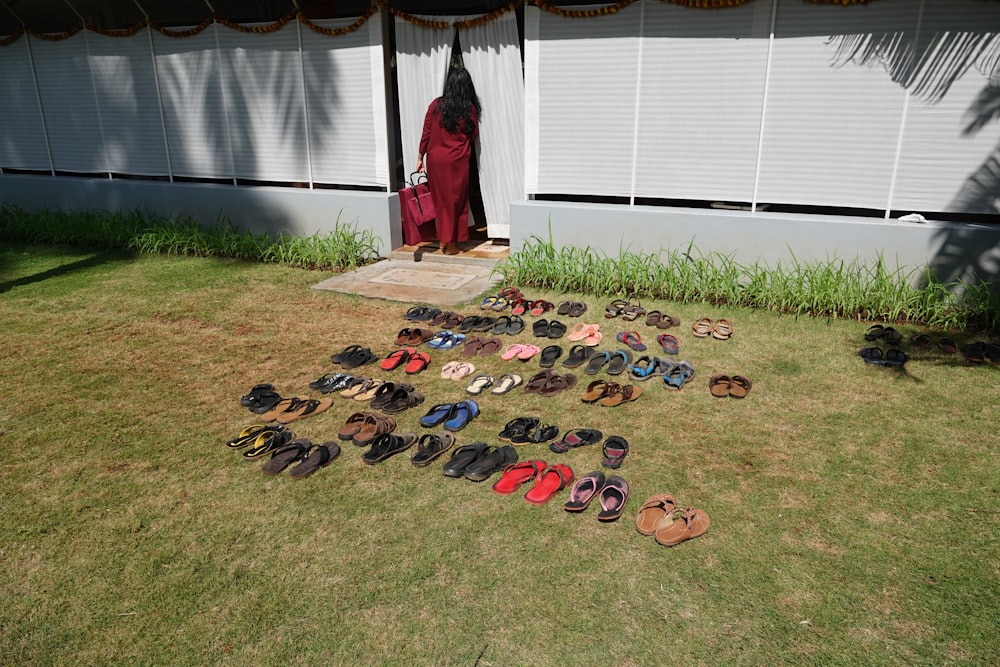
493, 57
22, 136
422, 56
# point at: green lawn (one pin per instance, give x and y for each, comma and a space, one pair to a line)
854, 508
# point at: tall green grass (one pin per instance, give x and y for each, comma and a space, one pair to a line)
345, 247
836, 289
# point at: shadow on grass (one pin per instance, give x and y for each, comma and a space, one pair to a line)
102, 257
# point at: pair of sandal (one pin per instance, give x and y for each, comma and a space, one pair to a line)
414, 337
261, 439
721, 329
548, 480
661, 517
261, 398
549, 383
588, 334
308, 456
292, 409
456, 370
526, 430
612, 492
425, 314
625, 308
331, 382
878, 357
946, 345
452, 416
483, 347
507, 324
409, 358
388, 444
979, 351
548, 329
446, 340
353, 356
616, 361
661, 320
478, 461
610, 394
362, 389
733, 386
502, 385
363, 427
572, 308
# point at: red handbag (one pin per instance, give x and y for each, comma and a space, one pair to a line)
417, 208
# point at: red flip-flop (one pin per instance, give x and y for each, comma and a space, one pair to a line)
397, 359
549, 483
517, 474
418, 362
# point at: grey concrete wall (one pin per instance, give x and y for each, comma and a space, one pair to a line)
298, 211
954, 250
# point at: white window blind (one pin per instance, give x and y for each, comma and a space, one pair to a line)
130, 112
22, 138
580, 89
831, 130
193, 108
69, 106
700, 96
942, 166
262, 78
345, 96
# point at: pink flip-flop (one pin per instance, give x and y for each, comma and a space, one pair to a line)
512, 351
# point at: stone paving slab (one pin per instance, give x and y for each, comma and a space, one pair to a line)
436, 283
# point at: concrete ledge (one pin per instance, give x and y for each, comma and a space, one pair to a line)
955, 251
297, 211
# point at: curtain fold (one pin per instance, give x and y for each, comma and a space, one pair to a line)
492, 55
422, 56
22, 136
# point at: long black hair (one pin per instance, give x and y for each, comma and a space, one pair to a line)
457, 103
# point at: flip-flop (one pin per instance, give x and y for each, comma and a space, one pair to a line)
463, 457
436, 414
549, 356
652, 512
595, 391
948, 346
307, 408
681, 525
517, 474
267, 442
579, 437
359, 358
372, 387
614, 496
581, 331
403, 399
396, 359
512, 351
448, 369
386, 445
577, 308
460, 416
541, 307
623, 394
506, 383
317, 457
528, 351
619, 361
549, 483
490, 346
874, 332
463, 370
594, 338
584, 490
479, 384
669, 344
556, 329
872, 355
564, 308
285, 456
558, 384
632, 339
518, 426
417, 362
347, 351
251, 433
615, 450
430, 446
537, 381
578, 354
596, 362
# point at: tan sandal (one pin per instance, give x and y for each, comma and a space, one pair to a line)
681, 525
722, 330
720, 385
702, 327
653, 511
740, 386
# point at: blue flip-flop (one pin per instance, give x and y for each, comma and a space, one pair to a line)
436, 414
461, 414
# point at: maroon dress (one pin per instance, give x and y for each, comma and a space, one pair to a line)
448, 163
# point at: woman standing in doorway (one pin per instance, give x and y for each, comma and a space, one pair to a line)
450, 129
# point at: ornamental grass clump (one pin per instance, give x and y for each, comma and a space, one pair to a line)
835, 288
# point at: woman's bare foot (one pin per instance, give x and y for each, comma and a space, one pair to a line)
450, 249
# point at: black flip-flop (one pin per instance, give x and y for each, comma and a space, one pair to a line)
463, 457
549, 356
872, 355
430, 446
615, 451
285, 456
579, 437
596, 362
619, 361
386, 445
317, 457
577, 355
